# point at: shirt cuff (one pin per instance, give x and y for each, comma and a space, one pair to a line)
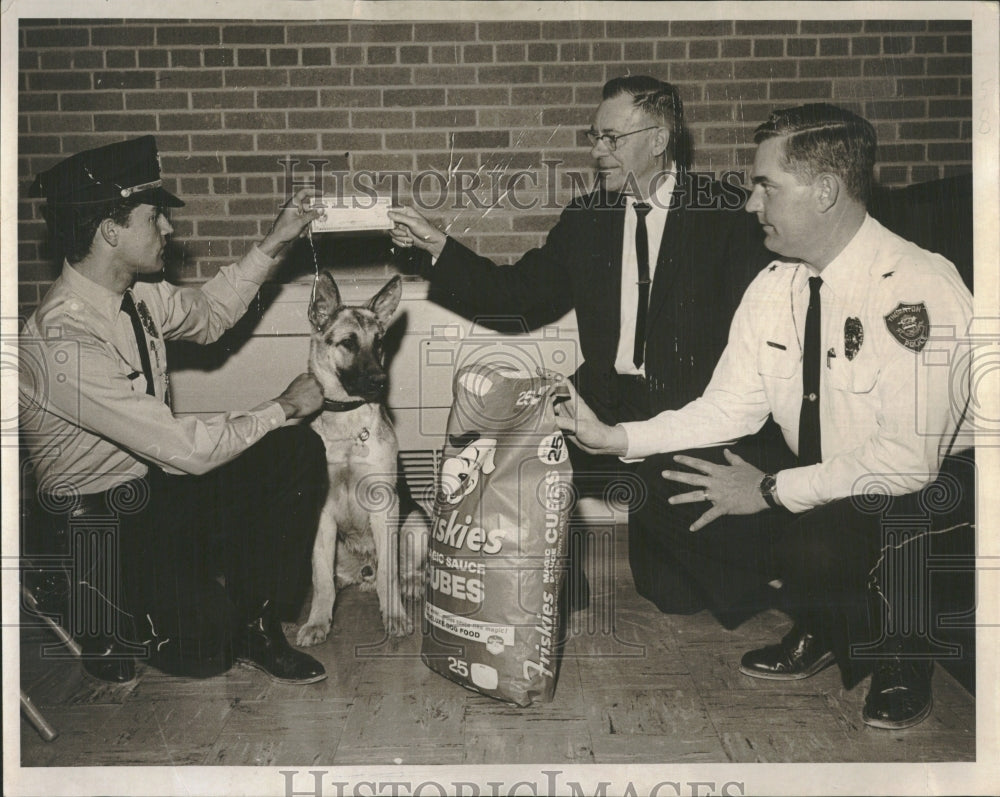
792, 487
271, 413
256, 265
634, 449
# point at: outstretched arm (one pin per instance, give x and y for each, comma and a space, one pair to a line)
582, 426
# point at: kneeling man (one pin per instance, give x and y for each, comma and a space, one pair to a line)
828, 340
186, 536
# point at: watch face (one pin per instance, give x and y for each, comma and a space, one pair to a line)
767, 487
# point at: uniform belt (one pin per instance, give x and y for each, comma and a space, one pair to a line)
96, 504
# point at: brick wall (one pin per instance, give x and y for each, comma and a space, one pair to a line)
229, 100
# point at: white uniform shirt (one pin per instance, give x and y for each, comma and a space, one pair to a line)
85, 414
656, 219
888, 409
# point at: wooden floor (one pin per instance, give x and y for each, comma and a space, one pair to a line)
635, 687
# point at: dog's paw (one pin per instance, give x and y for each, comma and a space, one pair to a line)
398, 625
312, 634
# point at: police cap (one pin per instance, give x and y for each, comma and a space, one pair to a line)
96, 178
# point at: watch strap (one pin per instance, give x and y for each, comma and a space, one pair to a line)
768, 486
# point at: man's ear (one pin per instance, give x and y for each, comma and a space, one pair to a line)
660, 141
827, 190
109, 232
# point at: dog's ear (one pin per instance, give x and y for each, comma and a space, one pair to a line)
326, 301
385, 302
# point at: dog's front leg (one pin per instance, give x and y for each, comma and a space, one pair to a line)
385, 532
324, 565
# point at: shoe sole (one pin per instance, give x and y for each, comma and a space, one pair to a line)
888, 725
821, 663
276, 679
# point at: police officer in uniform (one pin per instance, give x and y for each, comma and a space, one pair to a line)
829, 340
187, 537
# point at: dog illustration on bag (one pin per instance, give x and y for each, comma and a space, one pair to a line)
460, 475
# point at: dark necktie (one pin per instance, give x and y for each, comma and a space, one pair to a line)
128, 307
642, 260
810, 450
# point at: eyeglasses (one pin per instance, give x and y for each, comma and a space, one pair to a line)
611, 139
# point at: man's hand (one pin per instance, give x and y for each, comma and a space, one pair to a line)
302, 397
733, 489
413, 229
292, 221
582, 426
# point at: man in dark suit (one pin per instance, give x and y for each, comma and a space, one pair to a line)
654, 262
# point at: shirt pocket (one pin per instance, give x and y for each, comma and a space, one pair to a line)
776, 361
137, 381
857, 376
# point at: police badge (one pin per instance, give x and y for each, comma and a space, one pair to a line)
910, 325
147, 319
854, 336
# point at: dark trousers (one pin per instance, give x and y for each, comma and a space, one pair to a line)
605, 477
725, 566
854, 570
201, 556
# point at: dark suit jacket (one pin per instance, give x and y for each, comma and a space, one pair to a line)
710, 251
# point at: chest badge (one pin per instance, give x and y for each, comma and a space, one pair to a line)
147, 319
854, 336
910, 325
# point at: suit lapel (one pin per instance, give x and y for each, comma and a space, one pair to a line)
670, 245
612, 225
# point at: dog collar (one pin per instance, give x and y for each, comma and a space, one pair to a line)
329, 405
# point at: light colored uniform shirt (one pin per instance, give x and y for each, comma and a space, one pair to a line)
656, 219
889, 404
85, 415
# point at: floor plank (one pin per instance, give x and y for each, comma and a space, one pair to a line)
634, 687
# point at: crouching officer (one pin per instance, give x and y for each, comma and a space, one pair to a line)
187, 537
829, 341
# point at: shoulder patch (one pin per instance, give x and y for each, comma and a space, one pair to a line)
909, 324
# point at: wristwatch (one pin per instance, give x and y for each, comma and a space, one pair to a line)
768, 489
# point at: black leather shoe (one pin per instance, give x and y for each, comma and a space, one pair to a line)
900, 693
798, 655
265, 647
104, 660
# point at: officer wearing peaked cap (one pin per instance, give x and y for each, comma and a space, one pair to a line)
830, 342
173, 503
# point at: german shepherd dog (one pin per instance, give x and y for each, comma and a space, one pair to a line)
359, 539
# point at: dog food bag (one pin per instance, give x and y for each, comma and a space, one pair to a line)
499, 538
